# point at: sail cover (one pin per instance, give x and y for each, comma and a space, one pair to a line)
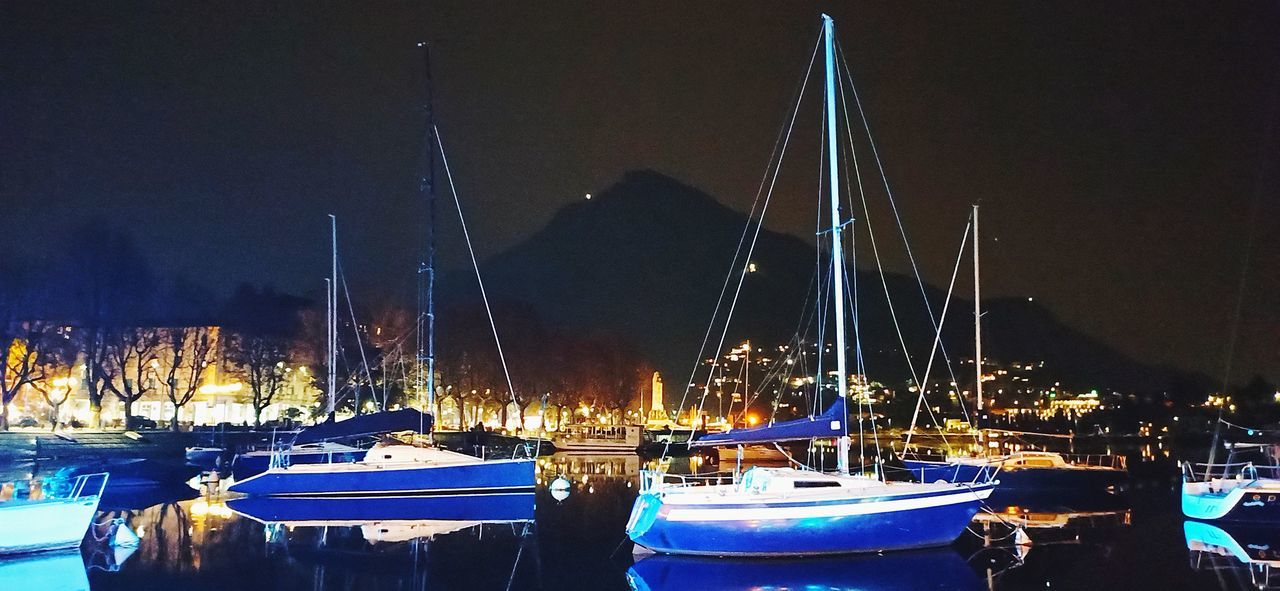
405, 419
828, 424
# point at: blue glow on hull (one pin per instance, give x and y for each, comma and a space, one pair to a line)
891, 529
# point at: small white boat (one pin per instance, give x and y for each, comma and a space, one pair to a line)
51, 523
599, 438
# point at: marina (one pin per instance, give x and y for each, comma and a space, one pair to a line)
532, 541
650, 297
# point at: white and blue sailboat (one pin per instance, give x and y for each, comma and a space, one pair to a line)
797, 512
389, 468
395, 467
788, 512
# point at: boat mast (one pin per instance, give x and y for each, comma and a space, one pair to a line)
427, 269
837, 252
977, 317
333, 313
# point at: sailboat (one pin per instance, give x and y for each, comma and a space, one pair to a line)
1018, 471
394, 466
798, 512
1245, 488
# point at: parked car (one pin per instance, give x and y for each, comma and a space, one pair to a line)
27, 422
142, 423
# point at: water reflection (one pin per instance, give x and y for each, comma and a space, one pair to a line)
213, 541
389, 519
921, 569
50, 571
1240, 556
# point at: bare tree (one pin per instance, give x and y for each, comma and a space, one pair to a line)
95, 344
132, 360
59, 381
20, 343
190, 351
259, 360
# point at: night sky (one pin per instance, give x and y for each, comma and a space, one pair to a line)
1116, 148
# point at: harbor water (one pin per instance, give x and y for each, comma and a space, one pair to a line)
207, 540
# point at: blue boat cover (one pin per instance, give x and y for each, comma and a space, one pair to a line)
378, 423
828, 424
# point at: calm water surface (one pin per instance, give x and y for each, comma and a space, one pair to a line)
1135, 542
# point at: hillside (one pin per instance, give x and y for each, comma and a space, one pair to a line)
646, 258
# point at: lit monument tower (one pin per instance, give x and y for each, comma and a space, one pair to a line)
657, 412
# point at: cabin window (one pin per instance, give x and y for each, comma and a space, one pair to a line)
814, 483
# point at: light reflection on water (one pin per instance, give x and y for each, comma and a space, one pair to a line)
210, 542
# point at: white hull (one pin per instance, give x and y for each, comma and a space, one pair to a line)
45, 525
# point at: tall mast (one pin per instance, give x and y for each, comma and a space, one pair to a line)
837, 248
977, 316
427, 269
333, 313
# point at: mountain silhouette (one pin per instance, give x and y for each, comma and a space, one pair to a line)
645, 260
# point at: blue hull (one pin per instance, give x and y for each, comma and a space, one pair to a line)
490, 507
246, 465
905, 571
1017, 478
205, 459
788, 535
481, 476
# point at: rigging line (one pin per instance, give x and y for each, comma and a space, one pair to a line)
706, 338
484, 296
798, 341
934, 323
892, 203
858, 360
733, 304
1256, 204
776, 370
355, 328
937, 339
844, 272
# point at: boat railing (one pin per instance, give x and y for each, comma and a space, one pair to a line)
1115, 462
652, 480
97, 483
1248, 471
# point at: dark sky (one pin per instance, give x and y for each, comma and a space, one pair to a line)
1115, 147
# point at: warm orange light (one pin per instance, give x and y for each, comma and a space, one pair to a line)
753, 420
